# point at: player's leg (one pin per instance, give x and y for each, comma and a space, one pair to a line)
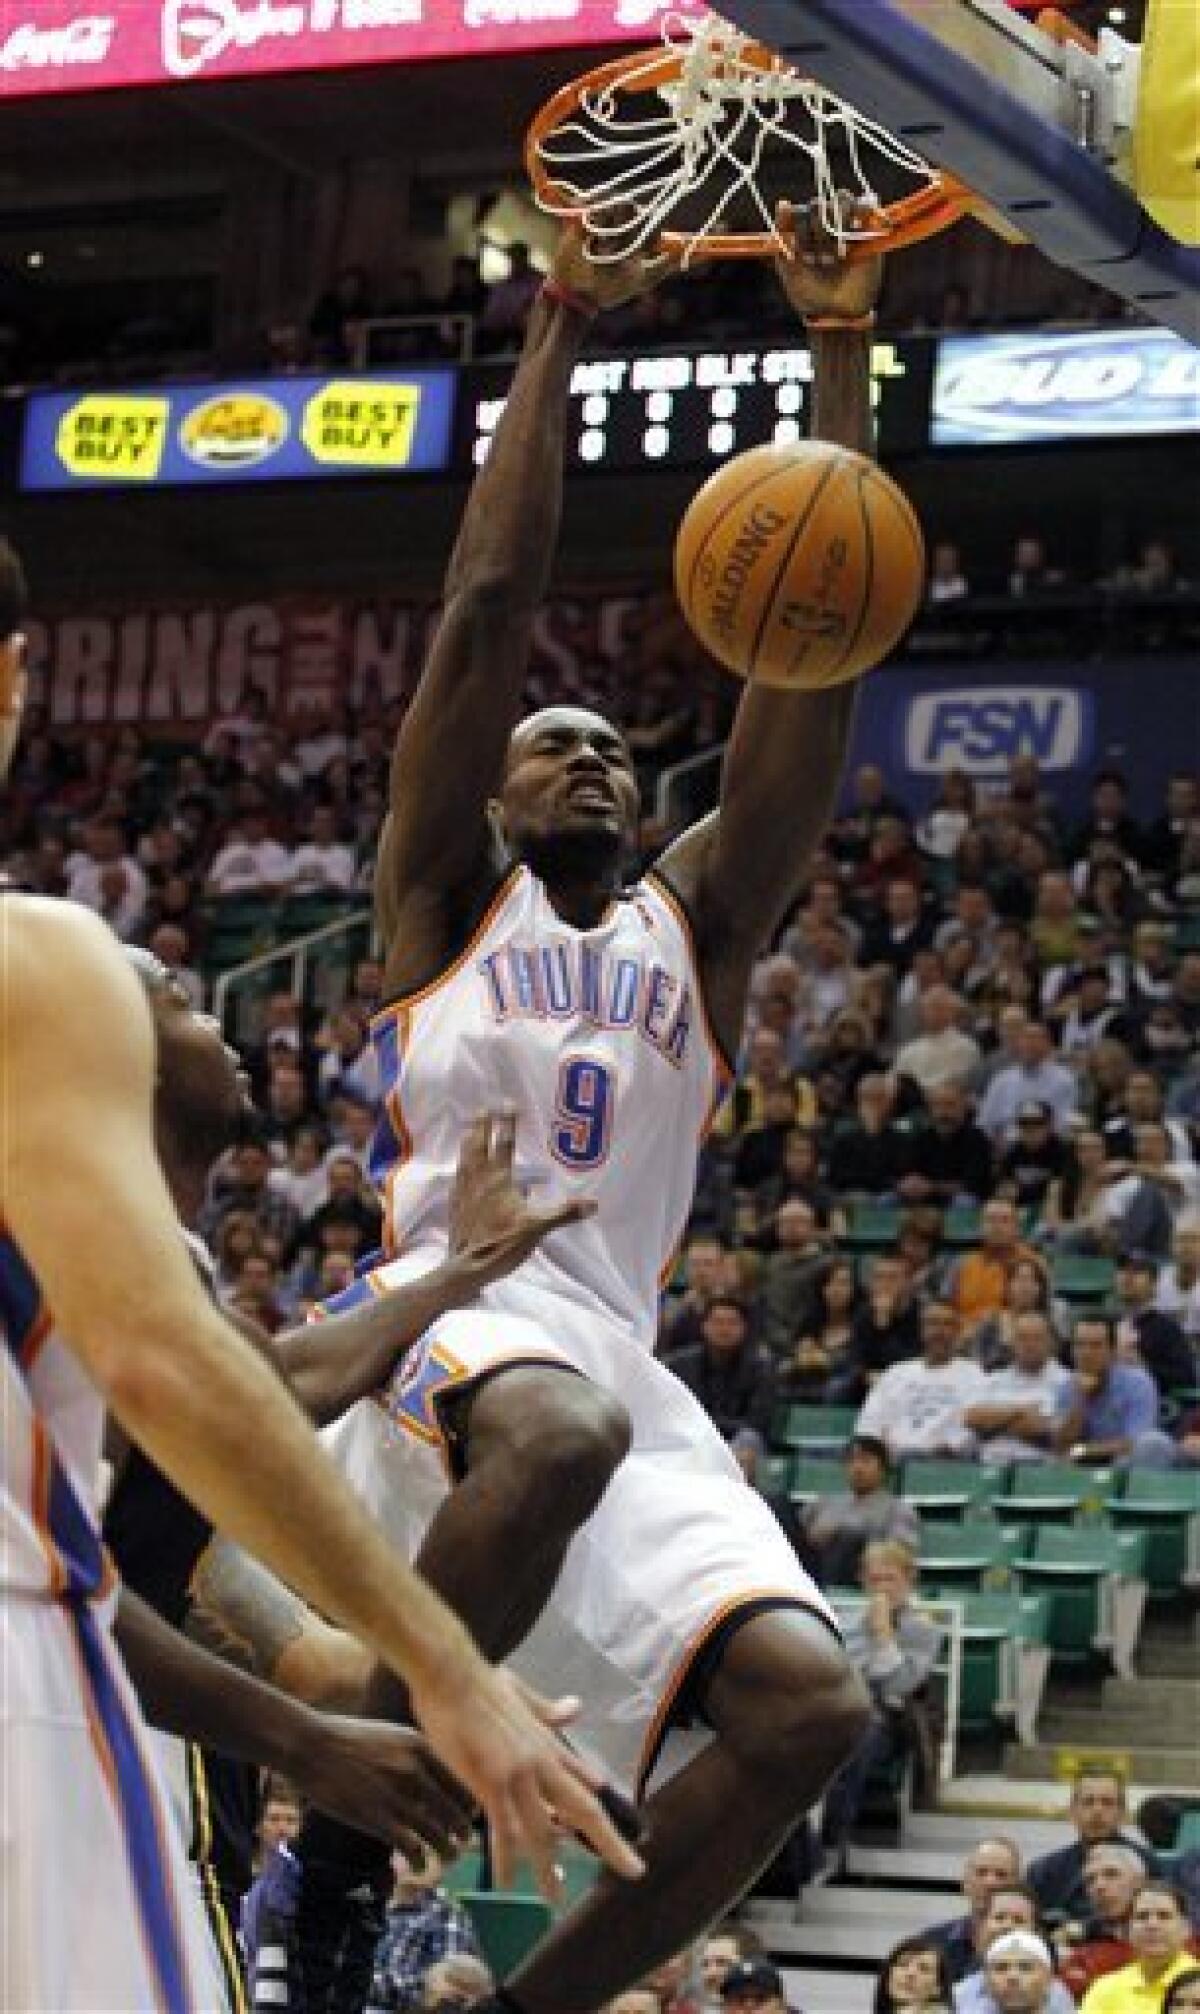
539, 1446
786, 1710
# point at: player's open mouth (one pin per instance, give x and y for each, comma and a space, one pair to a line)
592, 794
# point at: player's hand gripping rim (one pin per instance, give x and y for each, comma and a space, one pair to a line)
502, 1741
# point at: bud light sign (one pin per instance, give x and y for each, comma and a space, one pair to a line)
1095, 385
979, 729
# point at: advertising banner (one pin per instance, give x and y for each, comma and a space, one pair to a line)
87, 45
997, 391
252, 430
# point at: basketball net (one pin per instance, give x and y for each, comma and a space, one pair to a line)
717, 102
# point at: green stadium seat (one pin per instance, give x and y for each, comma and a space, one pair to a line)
1054, 1492
975, 1554
1075, 1276
507, 1926
871, 1226
1164, 1504
949, 1489
816, 1429
1005, 1660
960, 1226
816, 1476
1187, 1839
1096, 1578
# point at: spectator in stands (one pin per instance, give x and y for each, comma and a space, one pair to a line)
1177, 1291
1035, 1078
950, 1159
822, 1365
1147, 1336
1008, 1909
1030, 573
1110, 1409
919, 1408
671, 1982
323, 864
704, 1271
1109, 819
106, 877
244, 1186
1019, 1975
1159, 1932
1164, 840
1148, 966
831, 982
1056, 930
1141, 1103
838, 1529
1028, 1292
1075, 1213
978, 1284
754, 1986
1099, 1942
348, 1061
251, 862
992, 1864
1097, 1811
170, 946
869, 802
799, 1179
914, 1979
870, 1153
903, 930
302, 1178
423, 1926
731, 1375
790, 1274
340, 311
509, 301
946, 580
942, 1054
1016, 1418
454, 1985
1183, 1994
888, 1328
1145, 1193
721, 1951
286, 1107
1035, 1159
894, 1650
766, 1078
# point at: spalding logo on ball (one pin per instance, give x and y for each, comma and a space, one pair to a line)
800, 566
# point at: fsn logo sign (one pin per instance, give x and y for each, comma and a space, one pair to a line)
981, 729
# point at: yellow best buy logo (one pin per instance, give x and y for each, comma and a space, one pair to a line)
113, 439
234, 430
362, 424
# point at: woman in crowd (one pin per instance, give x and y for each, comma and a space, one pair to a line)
821, 1368
1027, 1293
915, 1979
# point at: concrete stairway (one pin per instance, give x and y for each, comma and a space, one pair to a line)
1154, 1720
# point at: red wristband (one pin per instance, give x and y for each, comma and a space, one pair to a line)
851, 325
566, 297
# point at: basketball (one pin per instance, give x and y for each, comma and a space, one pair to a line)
799, 566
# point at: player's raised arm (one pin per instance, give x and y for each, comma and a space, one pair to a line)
740, 869
450, 750
83, 1195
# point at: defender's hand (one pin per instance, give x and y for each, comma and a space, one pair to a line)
388, 1782
499, 1739
607, 283
493, 1229
819, 281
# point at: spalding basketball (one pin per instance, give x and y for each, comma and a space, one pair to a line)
800, 566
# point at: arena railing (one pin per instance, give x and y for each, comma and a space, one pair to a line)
688, 789
240, 986
369, 348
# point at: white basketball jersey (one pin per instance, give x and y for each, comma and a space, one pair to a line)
597, 1040
51, 1424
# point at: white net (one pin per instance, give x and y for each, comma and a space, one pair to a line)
707, 133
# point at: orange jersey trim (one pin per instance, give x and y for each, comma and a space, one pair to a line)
406, 1001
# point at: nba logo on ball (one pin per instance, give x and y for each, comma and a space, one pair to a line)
799, 566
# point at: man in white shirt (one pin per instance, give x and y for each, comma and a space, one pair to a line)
322, 744
323, 864
941, 1054
1015, 1418
251, 863
169, 943
107, 879
1035, 1077
920, 1408
1178, 1289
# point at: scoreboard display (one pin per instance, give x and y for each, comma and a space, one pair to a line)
692, 408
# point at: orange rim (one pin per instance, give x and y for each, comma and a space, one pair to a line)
906, 222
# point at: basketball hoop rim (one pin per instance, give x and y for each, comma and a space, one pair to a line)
908, 221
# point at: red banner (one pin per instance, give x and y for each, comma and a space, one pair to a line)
175, 673
71, 45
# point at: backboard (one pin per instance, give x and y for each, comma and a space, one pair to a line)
1033, 120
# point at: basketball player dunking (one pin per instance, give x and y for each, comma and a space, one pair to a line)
598, 1526
99, 1301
